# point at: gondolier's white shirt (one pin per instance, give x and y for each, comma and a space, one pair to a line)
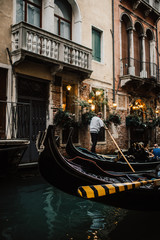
96, 124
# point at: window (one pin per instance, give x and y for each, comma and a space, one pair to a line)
62, 19
68, 97
29, 11
126, 26
96, 44
69, 106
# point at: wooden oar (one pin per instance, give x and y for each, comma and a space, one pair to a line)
95, 191
120, 150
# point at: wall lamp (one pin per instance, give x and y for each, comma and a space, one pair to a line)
68, 87
114, 105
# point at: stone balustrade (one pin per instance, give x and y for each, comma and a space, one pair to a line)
40, 43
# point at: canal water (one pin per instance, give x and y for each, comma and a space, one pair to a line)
31, 209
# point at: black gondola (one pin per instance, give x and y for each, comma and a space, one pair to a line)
69, 177
108, 162
11, 153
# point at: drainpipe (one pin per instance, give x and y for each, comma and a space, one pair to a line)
113, 51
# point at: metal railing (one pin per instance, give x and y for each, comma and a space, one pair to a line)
15, 120
138, 68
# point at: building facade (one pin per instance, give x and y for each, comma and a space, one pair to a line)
137, 82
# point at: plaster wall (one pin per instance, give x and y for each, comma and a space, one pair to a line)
34, 69
98, 14
5, 33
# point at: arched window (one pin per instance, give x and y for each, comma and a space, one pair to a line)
125, 27
29, 11
62, 18
148, 39
138, 54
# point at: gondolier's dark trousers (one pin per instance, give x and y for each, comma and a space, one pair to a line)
94, 138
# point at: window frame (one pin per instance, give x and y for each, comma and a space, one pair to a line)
97, 58
26, 2
59, 25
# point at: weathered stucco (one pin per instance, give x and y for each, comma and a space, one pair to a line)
6, 9
98, 14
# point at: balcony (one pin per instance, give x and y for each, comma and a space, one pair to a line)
39, 45
154, 4
138, 76
138, 68
149, 8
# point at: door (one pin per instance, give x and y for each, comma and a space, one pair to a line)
36, 94
139, 134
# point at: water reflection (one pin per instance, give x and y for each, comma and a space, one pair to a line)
73, 218
32, 209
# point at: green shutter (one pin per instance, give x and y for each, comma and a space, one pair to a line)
96, 45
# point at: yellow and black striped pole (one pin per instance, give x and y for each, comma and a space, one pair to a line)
95, 191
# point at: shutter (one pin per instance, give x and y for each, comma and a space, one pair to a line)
96, 45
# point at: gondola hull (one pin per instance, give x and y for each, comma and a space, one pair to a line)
107, 162
11, 153
68, 177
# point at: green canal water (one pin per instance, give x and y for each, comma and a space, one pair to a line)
31, 209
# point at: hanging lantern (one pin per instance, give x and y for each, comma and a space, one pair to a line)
69, 87
90, 101
93, 107
114, 105
156, 111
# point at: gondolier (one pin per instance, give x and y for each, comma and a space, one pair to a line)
95, 126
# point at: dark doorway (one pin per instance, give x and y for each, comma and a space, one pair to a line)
3, 98
34, 92
139, 134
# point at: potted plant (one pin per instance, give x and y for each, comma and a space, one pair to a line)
115, 118
64, 118
133, 120
86, 117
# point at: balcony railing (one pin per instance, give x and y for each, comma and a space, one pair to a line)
29, 39
130, 66
15, 120
154, 4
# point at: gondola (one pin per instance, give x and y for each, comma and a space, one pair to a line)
71, 177
111, 162
11, 153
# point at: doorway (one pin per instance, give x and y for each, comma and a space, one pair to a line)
35, 93
139, 134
